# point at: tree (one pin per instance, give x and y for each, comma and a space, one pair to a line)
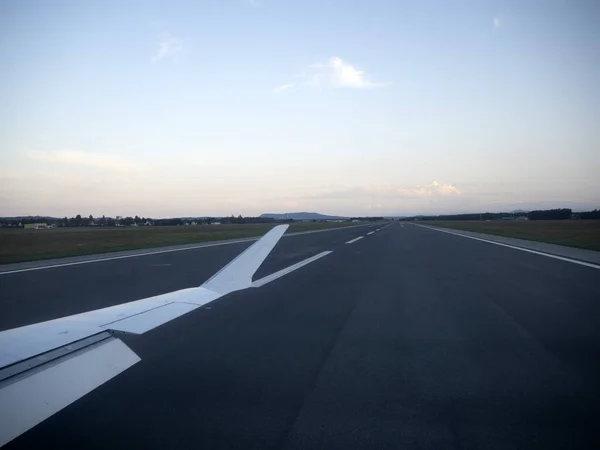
550, 214
127, 221
589, 215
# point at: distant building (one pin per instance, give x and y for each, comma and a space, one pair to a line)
34, 226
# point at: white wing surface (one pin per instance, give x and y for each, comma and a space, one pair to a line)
46, 366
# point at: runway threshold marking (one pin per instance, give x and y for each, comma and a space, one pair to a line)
549, 255
282, 272
354, 240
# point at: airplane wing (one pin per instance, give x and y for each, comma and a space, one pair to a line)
46, 366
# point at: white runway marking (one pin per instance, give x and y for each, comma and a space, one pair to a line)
282, 272
156, 252
90, 261
354, 240
370, 232
561, 258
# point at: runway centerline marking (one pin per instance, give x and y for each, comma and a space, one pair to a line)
282, 272
535, 252
354, 240
370, 232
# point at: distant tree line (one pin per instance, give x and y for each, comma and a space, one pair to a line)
90, 221
589, 215
240, 219
546, 214
474, 216
550, 214
367, 219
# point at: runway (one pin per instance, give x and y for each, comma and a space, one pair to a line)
405, 337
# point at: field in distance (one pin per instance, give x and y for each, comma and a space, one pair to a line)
18, 245
574, 233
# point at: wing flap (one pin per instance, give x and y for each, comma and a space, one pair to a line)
34, 397
140, 323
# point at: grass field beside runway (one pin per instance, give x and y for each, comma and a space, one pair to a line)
573, 233
18, 245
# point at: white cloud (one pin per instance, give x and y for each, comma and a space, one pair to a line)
336, 73
385, 192
97, 160
433, 189
497, 23
283, 87
346, 75
169, 46
443, 189
376, 198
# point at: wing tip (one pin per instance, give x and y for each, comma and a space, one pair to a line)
237, 274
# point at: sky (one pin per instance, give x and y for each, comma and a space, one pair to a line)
220, 107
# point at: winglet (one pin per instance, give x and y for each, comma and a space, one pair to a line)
238, 273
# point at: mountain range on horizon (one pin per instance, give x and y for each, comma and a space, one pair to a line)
301, 216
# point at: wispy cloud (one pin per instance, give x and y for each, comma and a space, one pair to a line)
336, 73
96, 160
169, 46
497, 23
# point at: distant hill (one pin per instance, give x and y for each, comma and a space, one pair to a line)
300, 216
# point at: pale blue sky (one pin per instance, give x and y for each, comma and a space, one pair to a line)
357, 107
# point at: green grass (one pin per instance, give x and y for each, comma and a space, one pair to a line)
573, 233
28, 245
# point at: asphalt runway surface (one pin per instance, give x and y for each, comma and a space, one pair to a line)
407, 338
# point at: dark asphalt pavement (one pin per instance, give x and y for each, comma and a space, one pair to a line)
30, 297
408, 338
